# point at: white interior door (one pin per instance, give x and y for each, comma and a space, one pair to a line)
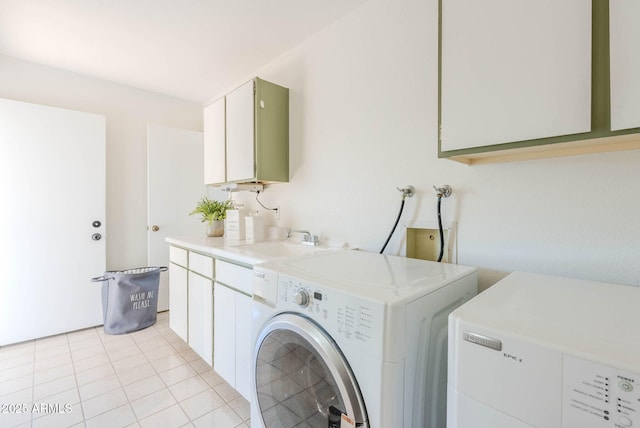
52, 188
175, 185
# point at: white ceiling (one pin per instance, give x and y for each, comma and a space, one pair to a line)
190, 49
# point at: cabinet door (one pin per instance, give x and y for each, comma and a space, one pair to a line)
625, 64
214, 143
244, 348
201, 264
201, 316
240, 134
224, 355
514, 71
178, 300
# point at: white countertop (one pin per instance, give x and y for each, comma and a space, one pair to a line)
243, 251
381, 278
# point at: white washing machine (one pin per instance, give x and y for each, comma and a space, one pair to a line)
349, 338
546, 352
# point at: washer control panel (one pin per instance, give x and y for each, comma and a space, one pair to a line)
599, 396
343, 316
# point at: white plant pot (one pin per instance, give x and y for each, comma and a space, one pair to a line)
215, 228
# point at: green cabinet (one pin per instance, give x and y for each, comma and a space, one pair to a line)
523, 80
246, 135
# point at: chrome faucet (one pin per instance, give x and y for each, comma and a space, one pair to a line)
307, 239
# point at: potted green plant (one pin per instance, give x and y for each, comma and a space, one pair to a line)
213, 213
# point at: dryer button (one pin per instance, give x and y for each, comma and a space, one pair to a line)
625, 386
625, 421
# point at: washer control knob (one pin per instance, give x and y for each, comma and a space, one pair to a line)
302, 298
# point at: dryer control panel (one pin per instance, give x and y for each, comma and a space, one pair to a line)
347, 319
599, 396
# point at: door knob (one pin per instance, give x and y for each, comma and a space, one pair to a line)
155, 228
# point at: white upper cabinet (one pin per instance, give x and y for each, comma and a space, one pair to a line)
246, 135
624, 40
214, 142
240, 137
514, 70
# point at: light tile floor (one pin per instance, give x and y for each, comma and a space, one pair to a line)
149, 378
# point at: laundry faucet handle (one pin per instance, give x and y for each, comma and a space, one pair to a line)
307, 239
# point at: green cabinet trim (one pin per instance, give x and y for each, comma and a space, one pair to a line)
271, 132
599, 139
600, 76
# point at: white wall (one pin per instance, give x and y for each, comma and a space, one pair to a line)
364, 121
128, 111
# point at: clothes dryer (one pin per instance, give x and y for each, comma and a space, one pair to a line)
353, 338
538, 351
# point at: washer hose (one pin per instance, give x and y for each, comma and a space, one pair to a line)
394, 226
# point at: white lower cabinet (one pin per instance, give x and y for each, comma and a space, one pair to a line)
201, 316
232, 321
191, 300
178, 291
244, 349
213, 316
224, 341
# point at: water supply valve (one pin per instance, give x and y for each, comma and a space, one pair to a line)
407, 192
444, 191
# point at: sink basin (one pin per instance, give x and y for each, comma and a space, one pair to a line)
280, 249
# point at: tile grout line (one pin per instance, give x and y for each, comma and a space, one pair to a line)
84, 417
75, 377
156, 374
159, 336
111, 362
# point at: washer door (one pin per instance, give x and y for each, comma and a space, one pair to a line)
301, 377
